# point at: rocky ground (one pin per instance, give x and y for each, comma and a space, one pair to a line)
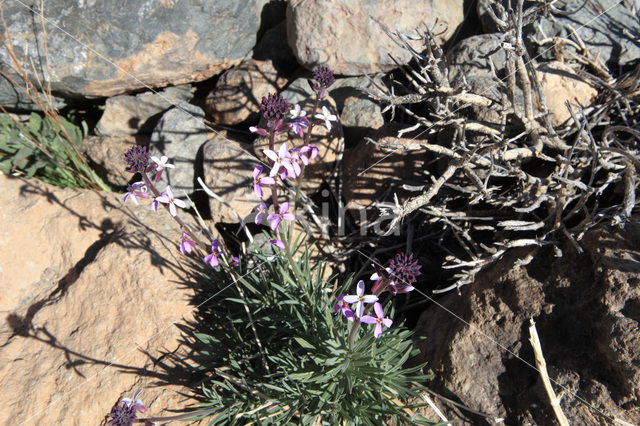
95, 298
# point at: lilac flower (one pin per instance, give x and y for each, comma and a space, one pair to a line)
277, 243
261, 210
297, 112
297, 125
307, 153
280, 159
161, 164
136, 402
275, 218
137, 159
235, 261
344, 307
378, 320
167, 198
295, 159
258, 181
212, 259
186, 244
360, 299
398, 276
327, 117
135, 190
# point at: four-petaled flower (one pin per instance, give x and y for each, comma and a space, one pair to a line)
161, 164
360, 299
258, 181
277, 243
135, 402
261, 211
297, 112
378, 320
344, 307
167, 198
275, 218
327, 117
186, 244
280, 159
212, 259
135, 190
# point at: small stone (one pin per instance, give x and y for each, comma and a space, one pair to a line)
126, 115
107, 153
238, 92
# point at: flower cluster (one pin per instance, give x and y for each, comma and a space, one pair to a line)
396, 278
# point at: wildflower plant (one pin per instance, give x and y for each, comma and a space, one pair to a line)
286, 345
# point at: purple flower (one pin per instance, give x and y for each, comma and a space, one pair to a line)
344, 307
360, 299
137, 159
258, 181
186, 244
404, 269
167, 198
235, 261
161, 164
212, 259
135, 402
325, 78
295, 159
277, 243
136, 190
275, 218
261, 210
274, 107
327, 117
280, 159
378, 320
307, 153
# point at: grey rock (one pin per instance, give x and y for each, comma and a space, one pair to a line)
610, 32
228, 168
273, 46
126, 115
104, 48
179, 135
473, 55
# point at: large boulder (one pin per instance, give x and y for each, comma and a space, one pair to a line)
586, 309
344, 34
105, 48
93, 294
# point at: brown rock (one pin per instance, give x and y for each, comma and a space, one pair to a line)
239, 91
586, 311
108, 154
345, 36
91, 293
560, 84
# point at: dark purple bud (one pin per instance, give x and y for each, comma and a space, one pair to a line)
324, 77
274, 107
404, 269
137, 159
123, 415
